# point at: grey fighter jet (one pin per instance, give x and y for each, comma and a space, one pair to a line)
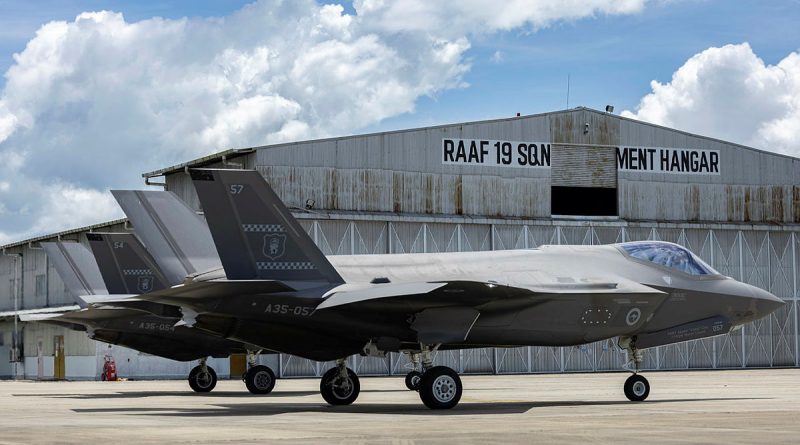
124, 267
278, 291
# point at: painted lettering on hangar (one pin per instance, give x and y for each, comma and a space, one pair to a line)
520, 154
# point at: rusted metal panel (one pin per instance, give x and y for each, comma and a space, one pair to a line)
577, 166
796, 203
670, 201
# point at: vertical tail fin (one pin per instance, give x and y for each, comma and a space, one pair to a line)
77, 268
256, 235
126, 267
174, 234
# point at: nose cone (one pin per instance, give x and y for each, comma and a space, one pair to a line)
766, 303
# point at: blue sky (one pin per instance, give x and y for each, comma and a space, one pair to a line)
609, 59
95, 99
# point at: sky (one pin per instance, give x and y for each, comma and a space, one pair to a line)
94, 93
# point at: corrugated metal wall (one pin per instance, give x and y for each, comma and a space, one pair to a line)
50, 291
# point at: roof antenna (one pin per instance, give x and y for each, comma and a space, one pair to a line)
567, 91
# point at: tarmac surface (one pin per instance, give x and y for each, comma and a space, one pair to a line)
742, 406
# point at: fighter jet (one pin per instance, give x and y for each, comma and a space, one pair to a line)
279, 291
128, 269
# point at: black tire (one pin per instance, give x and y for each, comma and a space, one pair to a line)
200, 381
412, 380
259, 380
338, 391
440, 388
637, 388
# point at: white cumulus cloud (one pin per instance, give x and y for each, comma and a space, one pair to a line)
731, 94
91, 103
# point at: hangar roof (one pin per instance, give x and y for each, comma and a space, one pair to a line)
229, 154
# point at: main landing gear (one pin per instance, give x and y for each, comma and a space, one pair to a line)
258, 379
636, 387
414, 376
340, 385
412, 380
439, 387
202, 377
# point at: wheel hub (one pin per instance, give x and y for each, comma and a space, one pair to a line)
342, 388
203, 379
262, 380
639, 388
444, 388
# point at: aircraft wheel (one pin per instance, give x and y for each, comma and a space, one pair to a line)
440, 388
202, 381
337, 390
637, 388
259, 379
412, 380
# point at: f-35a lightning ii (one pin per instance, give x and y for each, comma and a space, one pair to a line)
122, 266
278, 291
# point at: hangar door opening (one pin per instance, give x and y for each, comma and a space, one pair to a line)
583, 181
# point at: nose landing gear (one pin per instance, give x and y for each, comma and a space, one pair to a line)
258, 379
340, 385
636, 387
202, 378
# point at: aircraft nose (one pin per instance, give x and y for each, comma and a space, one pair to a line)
766, 302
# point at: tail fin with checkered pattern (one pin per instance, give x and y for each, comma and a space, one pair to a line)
126, 266
255, 234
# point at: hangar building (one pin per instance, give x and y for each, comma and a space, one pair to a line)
577, 176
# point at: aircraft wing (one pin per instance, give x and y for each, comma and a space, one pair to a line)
473, 293
445, 312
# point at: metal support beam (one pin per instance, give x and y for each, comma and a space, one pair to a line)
741, 278
795, 301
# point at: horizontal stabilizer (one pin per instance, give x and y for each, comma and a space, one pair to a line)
39, 317
215, 289
108, 299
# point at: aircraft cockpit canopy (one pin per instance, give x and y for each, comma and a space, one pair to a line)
669, 255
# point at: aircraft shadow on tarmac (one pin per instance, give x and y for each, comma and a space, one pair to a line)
218, 394
267, 409
145, 394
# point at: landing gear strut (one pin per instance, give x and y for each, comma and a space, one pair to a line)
414, 376
340, 385
258, 379
202, 378
636, 387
